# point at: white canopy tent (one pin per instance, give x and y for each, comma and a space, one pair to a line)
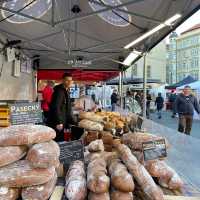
195, 86
60, 32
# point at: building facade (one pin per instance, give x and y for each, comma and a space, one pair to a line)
156, 64
183, 55
188, 57
171, 59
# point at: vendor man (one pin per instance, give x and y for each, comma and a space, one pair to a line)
60, 113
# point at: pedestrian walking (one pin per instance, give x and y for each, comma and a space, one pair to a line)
148, 103
172, 99
159, 104
114, 100
185, 105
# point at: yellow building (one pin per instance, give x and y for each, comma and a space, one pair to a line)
156, 64
188, 53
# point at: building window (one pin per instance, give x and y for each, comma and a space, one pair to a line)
148, 71
195, 52
184, 66
195, 75
134, 70
196, 62
192, 64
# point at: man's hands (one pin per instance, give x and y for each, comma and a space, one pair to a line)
59, 127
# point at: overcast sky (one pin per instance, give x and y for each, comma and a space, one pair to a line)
193, 20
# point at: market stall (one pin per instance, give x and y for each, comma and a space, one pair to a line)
40, 40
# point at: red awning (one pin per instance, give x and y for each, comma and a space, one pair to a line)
78, 75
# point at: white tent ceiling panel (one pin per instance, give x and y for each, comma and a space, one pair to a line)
90, 36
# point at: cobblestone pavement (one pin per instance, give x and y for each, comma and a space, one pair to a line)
173, 122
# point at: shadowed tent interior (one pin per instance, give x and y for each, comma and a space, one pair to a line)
89, 30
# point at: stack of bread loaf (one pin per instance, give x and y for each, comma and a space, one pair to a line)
113, 175
167, 177
98, 181
28, 158
105, 136
104, 121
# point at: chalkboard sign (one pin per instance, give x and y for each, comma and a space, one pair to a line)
71, 151
154, 149
25, 113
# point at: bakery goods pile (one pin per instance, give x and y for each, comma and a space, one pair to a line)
113, 168
118, 175
28, 158
105, 121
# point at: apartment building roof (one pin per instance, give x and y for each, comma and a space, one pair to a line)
195, 27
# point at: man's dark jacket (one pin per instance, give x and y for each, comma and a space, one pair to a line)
185, 105
60, 108
114, 98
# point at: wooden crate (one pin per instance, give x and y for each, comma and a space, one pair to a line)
4, 116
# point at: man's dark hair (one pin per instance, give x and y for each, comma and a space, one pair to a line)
66, 74
187, 87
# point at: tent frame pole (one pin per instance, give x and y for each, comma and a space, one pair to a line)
84, 16
144, 86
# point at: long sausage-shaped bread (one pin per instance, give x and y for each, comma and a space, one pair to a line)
40, 192
11, 154
76, 187
166, 175
21, 174
121, 179
135, 141
97, 179
141, 175
25, 134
